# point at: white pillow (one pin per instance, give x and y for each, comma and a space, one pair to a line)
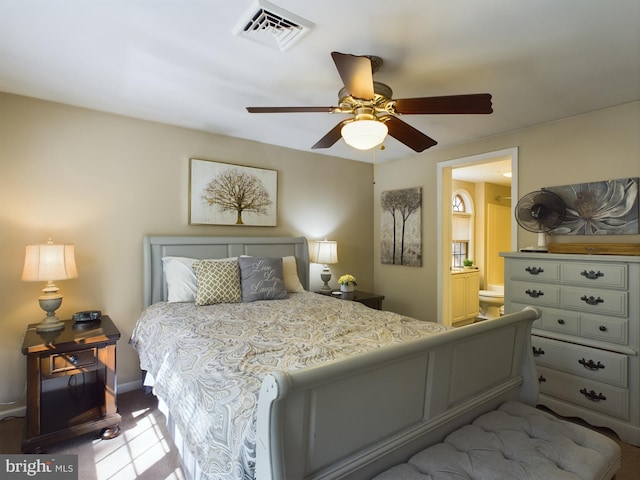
291, 279
180, 278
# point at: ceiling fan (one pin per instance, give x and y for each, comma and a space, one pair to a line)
374, 111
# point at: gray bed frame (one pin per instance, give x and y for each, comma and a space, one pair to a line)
355, 417
156, 247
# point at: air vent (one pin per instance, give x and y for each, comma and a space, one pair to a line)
272, 26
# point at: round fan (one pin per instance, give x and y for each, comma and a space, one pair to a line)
540, 212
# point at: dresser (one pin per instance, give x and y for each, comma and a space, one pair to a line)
587, 342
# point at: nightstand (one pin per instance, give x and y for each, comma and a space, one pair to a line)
371, 300
71, 383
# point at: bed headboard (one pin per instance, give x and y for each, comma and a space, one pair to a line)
156, 247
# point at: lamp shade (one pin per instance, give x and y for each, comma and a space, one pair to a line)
364, 134
324, 251
49, 262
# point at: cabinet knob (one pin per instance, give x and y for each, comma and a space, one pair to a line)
534, 293
537, 352
561, 321
73, 359
591, 275
602, 328
542, 379
590, 365
534, 270
591, 300
592, 395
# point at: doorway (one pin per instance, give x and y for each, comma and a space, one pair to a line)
446, 172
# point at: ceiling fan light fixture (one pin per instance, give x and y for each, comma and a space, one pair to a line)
364, 134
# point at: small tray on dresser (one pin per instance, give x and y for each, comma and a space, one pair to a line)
595, 248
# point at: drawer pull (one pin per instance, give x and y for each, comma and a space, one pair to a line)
561, 321
591, 275
590, 365
591, 300
593, 396
541, 379
534, 293
602, 328
73, 359
537, 352
534, 270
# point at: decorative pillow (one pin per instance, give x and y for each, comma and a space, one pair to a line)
291, 280
180, 278
218, 281
262, 278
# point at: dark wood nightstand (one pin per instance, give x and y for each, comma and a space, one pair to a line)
71, 383
371, 300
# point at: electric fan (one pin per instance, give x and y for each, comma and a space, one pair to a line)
540, 212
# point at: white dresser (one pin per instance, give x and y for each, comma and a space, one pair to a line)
587, 342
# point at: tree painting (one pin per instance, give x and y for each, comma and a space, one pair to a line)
401, 227
232, 195
237, 191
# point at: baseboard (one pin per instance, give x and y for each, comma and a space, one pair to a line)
16, 411
129, 386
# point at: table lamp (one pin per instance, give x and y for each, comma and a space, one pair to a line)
325, 252
49, 262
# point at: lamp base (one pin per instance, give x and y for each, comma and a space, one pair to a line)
325, 276
50, 324
50, 302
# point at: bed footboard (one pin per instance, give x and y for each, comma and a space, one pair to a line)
356, 417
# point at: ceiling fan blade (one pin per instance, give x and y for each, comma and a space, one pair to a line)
405, 133
473, 103
333, 136
356, 74
289, 109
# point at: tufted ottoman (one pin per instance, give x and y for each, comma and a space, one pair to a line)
515, 441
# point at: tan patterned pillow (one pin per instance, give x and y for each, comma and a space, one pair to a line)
218, 281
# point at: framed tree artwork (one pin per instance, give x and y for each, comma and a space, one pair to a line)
226, 194
401, 227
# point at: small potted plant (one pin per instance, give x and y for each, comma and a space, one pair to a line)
347, 283
467, 262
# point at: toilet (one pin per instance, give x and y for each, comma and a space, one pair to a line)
491, 302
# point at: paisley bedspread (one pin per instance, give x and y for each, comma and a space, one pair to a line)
208, 361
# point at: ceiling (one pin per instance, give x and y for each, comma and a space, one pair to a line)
494, 171
178, 62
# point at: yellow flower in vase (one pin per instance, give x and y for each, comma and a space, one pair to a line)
347, 283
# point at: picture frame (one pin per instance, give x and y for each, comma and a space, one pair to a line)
229, 194
401, 227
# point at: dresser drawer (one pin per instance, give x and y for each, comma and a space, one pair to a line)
63, 363
535, 294
591, 394
595, 274
537, 270
593, 363
559, 321
608, 329
604, 302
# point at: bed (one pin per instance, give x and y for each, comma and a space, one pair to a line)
305, 386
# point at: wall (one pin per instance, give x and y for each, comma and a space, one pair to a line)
103, 181
601, 145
